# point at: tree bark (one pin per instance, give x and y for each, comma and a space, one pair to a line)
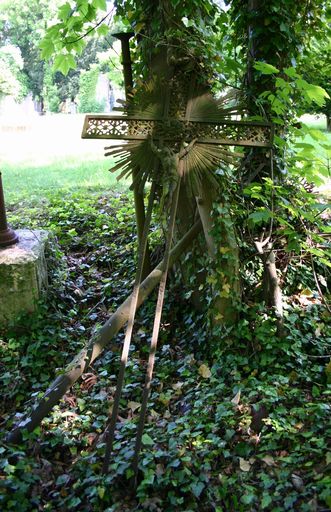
187, 214
274, 292
94, 348
139, 207
271, 287
328, 123
225, 305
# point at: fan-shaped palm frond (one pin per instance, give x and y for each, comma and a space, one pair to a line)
173, 107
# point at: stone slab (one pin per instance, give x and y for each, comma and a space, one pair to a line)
23, 274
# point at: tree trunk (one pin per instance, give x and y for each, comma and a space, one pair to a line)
140, 222
227, 277
328, 122
186, 215
273, 292
94, 348
271, 288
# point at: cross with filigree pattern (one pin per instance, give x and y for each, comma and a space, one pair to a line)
206, 131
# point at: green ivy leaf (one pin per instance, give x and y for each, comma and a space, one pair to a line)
65, 11
291, 72
317, 94
266, 500
101, 492
314, 93
248, 498
259, 216
147, 440
77, 46
197, 488
318, 135
265, 69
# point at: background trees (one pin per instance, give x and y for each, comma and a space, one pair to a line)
23, 25
22, 28
315, 66
12, 81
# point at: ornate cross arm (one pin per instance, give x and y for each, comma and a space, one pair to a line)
228, 133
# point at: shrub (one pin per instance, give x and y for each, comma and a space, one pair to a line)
87, 92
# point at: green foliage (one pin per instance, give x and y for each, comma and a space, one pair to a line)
110, 63
11, 78
289, 96
271, 38
50, 94
239, 424
277, 31
238, 418
199, 34
94, 51
87, 101
66, 37
315, 67
64, 62
23, 25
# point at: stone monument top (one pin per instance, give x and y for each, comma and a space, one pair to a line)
7, 235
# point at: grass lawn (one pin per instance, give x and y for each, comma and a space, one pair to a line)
72, 173
43, 154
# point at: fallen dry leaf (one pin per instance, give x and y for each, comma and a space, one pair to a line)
177, 385
89, 380
244, 465
204, 371
297, 482
70, 399
270, 461
134, 406
236, 399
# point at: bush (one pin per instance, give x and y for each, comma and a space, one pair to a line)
50, 92
87, 91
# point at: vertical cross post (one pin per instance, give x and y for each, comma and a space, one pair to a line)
125, 37
7, 235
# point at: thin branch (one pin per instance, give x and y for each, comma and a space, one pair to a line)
318, 357
90, 30
318, 285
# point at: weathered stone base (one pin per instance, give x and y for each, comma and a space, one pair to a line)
23, 274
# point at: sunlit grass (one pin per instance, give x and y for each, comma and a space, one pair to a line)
28, 181
43, 154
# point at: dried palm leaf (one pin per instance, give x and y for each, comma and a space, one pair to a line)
177, 104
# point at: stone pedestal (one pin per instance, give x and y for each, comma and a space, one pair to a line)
23, 274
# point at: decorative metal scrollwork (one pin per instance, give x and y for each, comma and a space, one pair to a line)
231, 133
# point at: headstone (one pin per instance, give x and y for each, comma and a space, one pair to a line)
23, 274
103, 92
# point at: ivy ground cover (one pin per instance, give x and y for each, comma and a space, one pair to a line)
237, 421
